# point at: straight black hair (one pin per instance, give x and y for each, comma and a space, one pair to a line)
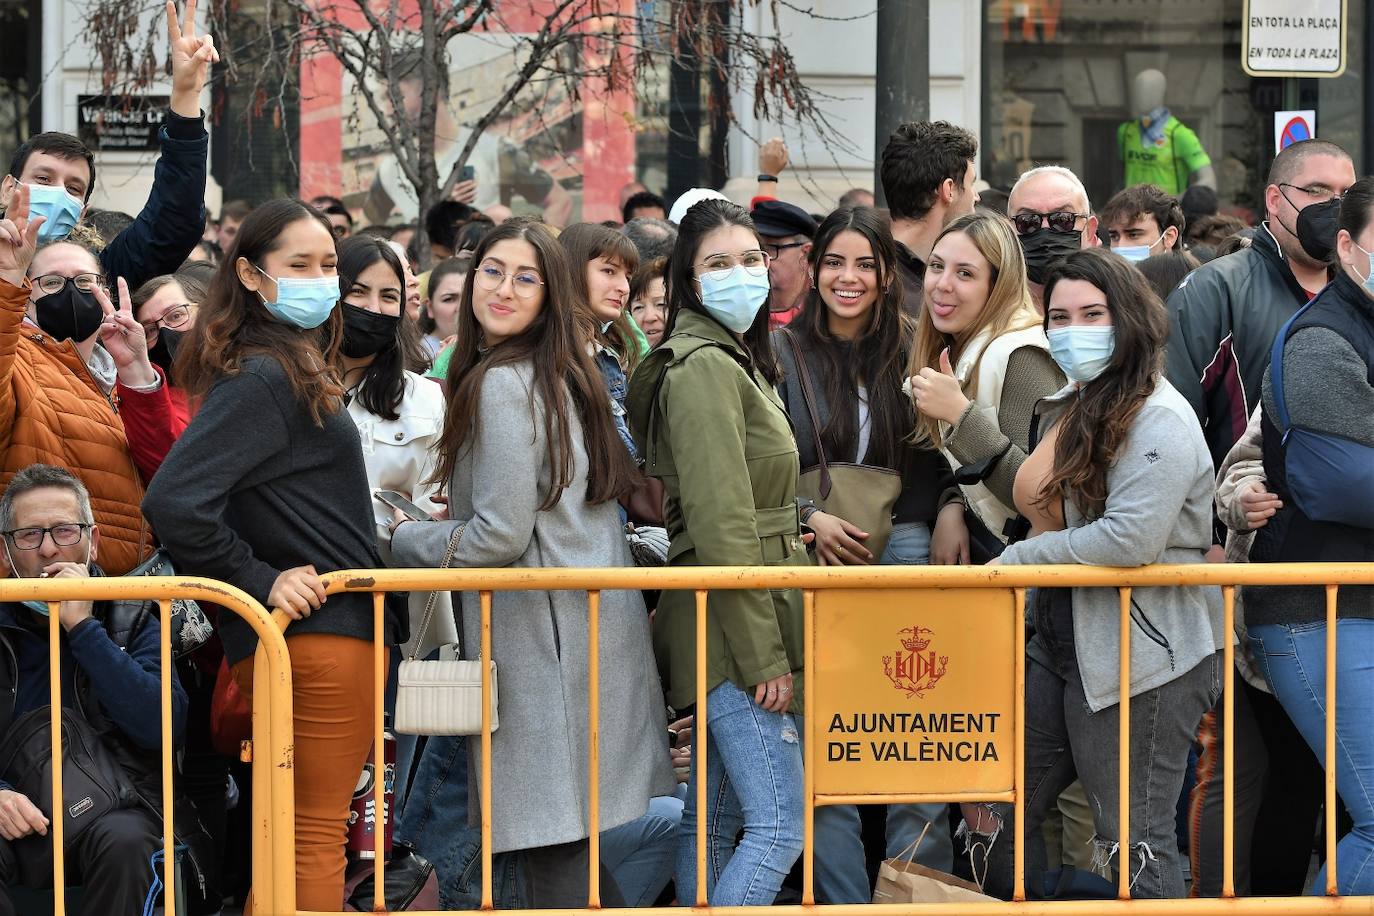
383, 385
681, 286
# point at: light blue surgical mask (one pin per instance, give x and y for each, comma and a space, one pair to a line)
1367, 281
1082, 351
1137, 252
733, 297
38, 607
60, 211
305, 302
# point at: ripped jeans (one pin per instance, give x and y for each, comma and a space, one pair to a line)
754, 782
1064, 742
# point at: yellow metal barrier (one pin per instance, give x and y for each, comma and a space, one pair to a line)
274, 829
1012, 580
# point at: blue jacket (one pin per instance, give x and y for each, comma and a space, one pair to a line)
171, 223
121, 685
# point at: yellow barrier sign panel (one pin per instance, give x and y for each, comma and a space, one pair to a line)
913, 691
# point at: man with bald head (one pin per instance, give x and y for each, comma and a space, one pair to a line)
1049, 208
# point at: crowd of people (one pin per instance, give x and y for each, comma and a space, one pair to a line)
1018, 379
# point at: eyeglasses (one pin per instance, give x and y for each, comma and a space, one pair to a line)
55, 283
64, 535
525, 283
1063, 221
774, 251
1318, 193
755, 262
174, 317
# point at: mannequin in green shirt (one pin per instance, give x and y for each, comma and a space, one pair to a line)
1156, 148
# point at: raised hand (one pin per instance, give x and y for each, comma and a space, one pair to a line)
937, 392
191, 56
125, 339
18, 238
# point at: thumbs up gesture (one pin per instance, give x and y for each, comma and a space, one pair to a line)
937, 393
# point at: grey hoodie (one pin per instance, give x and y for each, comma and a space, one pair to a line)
1158, 510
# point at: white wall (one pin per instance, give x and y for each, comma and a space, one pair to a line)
837, 59
70, 69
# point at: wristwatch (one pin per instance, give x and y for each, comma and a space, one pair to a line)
764, 176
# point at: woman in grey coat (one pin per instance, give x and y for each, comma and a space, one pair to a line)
532, 466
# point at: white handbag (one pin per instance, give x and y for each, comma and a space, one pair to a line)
442, 696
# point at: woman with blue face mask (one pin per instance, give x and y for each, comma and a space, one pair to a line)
267, 490
1318, 404
1120, 476
710, 426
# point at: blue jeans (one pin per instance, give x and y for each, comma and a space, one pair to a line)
753, 782
642, 853
434, 822
841, 869
1293, 657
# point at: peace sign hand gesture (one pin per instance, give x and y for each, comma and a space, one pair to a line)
125, 339
191, 56
18, 238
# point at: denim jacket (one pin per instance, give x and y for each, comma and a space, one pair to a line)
618, 387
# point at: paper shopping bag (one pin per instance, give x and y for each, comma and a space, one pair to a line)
901, 880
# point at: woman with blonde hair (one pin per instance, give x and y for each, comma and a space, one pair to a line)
979, 365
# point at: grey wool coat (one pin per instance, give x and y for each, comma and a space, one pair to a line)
540, 639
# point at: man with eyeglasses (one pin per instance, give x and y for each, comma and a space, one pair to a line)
1223, 319
110, 655
786, 231
1048, 206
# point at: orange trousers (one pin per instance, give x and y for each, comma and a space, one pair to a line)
333, 713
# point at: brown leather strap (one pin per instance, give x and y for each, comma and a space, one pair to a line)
809, 400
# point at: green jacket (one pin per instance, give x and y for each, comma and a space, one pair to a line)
717, 436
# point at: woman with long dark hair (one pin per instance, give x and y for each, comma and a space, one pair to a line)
710, 425
853, 339
1120, 477
399, 416
532, 468
267, 488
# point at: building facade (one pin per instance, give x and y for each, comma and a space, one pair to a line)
1039, 81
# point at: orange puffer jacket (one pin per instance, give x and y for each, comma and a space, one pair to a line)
52, 411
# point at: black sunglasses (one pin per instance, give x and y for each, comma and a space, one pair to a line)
1030, 223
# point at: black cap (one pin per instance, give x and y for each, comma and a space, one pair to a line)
777, 219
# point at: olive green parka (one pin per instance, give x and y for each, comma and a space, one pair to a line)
713, 430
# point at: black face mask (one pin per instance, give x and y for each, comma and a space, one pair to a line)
163, 353
1317, 228
367, 333
1044, 247
69, 314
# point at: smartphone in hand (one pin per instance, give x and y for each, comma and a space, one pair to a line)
404, 506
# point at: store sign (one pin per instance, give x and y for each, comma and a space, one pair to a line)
128, 123
913, 691
1294, 37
